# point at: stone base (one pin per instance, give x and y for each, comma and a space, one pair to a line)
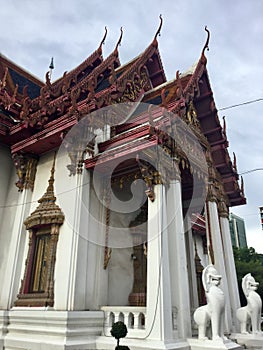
45, 329
3, 327
109, 343
250, 341
198, 344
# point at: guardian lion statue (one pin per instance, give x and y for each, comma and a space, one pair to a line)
210, 317
249, 316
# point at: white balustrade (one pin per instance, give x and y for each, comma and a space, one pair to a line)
134, 318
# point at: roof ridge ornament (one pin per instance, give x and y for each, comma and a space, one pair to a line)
118, 43
206, 47
103, 40
158, 32
51, 67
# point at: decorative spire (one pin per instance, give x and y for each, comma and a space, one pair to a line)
158, 32
206, 47
48, 212
49, 74
103, 40
51, 66
118, 43
49, 194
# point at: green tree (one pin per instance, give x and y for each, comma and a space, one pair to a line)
119, 330
248, 261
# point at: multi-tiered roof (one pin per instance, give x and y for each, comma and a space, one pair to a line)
35, 116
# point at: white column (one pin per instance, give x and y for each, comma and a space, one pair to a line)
98, 277
14, 265
219, 261
177, 258
159, 310
71, 262
230, 269
194, 302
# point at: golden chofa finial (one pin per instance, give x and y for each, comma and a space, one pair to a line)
103, 40
206, 47
119, 42
158, 33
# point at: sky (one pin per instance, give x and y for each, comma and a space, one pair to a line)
33, 31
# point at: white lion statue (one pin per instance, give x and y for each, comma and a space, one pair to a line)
249, 316
210, 317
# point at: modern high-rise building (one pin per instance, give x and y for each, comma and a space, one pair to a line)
238, 231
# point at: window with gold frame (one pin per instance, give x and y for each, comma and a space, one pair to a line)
37, 285
41, 252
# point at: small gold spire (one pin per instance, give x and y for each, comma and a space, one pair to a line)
49, 194
47, 212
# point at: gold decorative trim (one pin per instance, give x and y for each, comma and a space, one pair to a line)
37, 286
107, 250
48, 212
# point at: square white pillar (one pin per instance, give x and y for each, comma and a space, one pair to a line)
159, 309
177, 259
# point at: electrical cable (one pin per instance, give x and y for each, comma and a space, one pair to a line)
87, 183
241, 104
250, 171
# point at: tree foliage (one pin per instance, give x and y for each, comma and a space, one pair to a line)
248, 261
119, 330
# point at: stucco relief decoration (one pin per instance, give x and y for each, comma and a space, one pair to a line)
26, 166
47, 212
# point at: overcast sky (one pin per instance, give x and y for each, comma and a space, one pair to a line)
32, 31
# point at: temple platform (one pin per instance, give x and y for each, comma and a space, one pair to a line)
250, 341
109, 343
207, 344
51, 330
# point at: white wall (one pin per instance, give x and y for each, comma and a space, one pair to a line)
12, 232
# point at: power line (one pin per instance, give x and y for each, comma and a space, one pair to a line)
87, 183
241, 104
250, 171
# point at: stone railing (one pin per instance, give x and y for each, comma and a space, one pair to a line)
134, 317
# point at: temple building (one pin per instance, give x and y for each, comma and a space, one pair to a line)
115, 193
